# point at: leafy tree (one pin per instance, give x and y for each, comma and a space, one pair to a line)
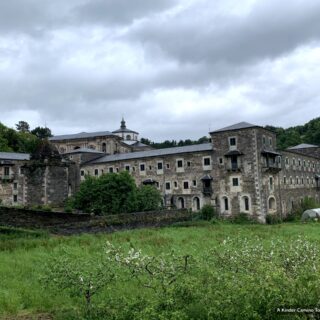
23, 126
114, 193
148, 198
42, 133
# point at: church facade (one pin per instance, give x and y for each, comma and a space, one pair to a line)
240, 170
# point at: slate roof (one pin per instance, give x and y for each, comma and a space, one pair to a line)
237, 126
124, 130
154, 153
84, 150
303, 146
14, 156
81, 135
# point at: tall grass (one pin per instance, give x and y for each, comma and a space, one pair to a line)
23, 257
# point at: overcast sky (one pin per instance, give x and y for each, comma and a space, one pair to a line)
175, 69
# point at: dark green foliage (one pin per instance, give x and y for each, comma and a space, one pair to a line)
242, 218
273, 219
148, 198
174, 143
306, 204
42, 133
308, 133
23, 126
208, 212
114, 193
17, 141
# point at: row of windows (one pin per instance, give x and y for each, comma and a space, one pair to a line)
185, 184
301, 163
298, 181
233, 141
180, 164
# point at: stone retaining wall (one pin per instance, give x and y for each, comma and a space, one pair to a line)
67, 223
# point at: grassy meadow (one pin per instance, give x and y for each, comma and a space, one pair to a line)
233, 272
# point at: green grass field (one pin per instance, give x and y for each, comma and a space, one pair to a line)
229, 277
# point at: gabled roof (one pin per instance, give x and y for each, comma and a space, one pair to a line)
81, 135
83, 150
14, 156
154, 153
303, 146
236, 126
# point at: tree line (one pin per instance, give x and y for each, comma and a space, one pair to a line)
22, 139
307, 133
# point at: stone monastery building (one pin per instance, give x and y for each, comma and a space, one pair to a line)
240, 170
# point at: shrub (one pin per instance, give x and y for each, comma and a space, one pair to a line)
208, 212
115, 193
242, 218
148, 198
272, 219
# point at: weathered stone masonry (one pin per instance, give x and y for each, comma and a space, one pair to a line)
239, 171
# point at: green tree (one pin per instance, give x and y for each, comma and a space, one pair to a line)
42, 133
148, 198
115, 193
23, 126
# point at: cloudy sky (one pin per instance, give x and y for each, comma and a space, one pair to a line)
173, 68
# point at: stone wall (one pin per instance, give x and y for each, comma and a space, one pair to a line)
185, 182
66, 223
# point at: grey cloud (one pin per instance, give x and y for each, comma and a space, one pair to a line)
201, 35
118, 12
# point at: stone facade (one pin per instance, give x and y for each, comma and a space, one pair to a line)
239, 171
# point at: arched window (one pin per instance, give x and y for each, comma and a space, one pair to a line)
180, 203
272, 204
196, 204
128, 137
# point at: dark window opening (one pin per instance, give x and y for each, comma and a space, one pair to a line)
160, 165
233, 141
180, 163
235, 182
168, 185
142, 167
185, 185
206, 161
246, 203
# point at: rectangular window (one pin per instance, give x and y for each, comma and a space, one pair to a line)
142, 167
96, 172
179, 163
176, 184
270, 142
188, 164
168, 185
160, 165
235, 182
117, 169
6, 171
206, 161
82, 173
15, 198
15, 186
150, 168
194, 182
221, 160
232, 141
284, 180
185, 185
